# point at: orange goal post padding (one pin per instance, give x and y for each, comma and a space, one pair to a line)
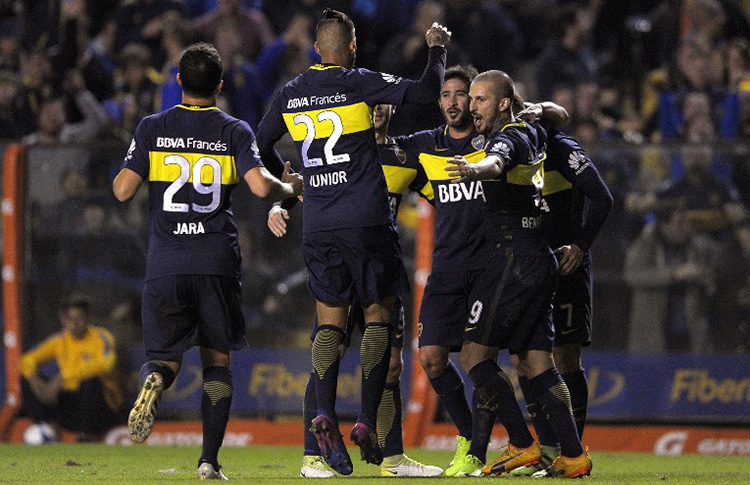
12, 217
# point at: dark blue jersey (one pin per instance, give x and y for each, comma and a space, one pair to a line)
402, 175
328, 112
192, 158
459, 235
512, 210
570, 177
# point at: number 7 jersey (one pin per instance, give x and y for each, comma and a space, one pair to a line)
193, 158
328, 112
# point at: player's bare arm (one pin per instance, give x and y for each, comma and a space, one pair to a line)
126, 184
548, 111
437, 35
277, 218
461, 170
267, 187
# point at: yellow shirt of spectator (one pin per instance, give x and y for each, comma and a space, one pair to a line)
93, 355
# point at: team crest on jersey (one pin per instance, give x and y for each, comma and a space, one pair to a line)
577, 161
130, 150
390, 78
477, 142
400, 154
502, 148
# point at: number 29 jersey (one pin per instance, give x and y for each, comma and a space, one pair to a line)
193, 158
328, 112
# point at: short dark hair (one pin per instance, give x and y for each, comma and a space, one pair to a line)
77, 300
333, 19
462, 72
200, 70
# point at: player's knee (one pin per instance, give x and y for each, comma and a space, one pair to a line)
395, 367
568, 358
433, 363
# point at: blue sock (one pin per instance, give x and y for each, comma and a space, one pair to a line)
579, 397
538, 415
325, 359
215, 403
166, 372
553, 394
374, 358
390, 433
450, 389
309, 411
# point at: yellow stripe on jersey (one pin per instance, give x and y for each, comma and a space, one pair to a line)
435, 165
168, 167
399, 178
554, 182
427, 191
528, 174
321, 67
353, 117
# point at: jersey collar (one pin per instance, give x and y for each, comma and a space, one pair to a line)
323, 67
195, 107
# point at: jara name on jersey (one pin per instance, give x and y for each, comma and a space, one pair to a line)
189, 228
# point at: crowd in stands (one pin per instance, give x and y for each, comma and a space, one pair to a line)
658, 92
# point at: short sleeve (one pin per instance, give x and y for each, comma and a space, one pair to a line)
137, 158
379, 87
245, 149
503, 147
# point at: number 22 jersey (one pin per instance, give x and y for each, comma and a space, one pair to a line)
193, 158
328, 112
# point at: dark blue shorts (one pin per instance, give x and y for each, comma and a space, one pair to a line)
512, 304
573, 307
445, 308
180, 312
361, 262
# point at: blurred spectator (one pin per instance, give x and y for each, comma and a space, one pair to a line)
98, 62
670, 271
242, 90
487, 32
68, 213
136, 92
37, 77
567, 59
730, 329
737, 62
250, 26
712, 205
15, 122
404, 56
52, 121
693, 75
83, 396
10, 45
143, 21
177, 35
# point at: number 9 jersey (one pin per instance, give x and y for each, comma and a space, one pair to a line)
328, 113
192, 157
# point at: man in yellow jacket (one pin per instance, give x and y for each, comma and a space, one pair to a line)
83, 396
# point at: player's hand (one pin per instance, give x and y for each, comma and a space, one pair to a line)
437, 35
570, 258
460, 170
293, 179
532, 113
277, 218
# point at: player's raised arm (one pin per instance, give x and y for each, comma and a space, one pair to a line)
427, 88
552, 114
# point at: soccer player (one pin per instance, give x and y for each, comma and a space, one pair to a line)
402, 176
84, 395
349, 245
193, 156
574, 206
512, 303
460, 249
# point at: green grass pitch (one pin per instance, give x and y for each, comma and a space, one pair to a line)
96, 463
